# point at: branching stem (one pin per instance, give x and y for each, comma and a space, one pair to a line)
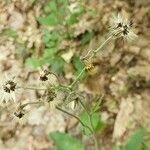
64, 111
91, 124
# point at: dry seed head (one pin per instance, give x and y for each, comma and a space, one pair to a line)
49, 99
49, 95
44, 75
9, 86
8, 90
122, 27
19, 114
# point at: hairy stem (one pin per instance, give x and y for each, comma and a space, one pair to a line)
91, 123
30, 88
74, 82
68, 113
30, 103
92, 55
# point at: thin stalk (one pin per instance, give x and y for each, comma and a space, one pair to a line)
30, 88
114, 33
101, 46
91, 123
53, 87
63, 87
74, 82
55, 76
30, 103
64, 111
93, 54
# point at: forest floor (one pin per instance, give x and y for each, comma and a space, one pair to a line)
121, 74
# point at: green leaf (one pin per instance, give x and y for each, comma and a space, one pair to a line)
146, 147
49, 53
79, 66
87, 37
52, 6
64, 141
50, 20
116, 148
57, 64
96, 120
52, 39
10, 33
135, 141
32, 63
74, 17
72, 20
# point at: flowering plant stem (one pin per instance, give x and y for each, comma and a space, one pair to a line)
93, 54
59, 87
91, 123
30, 88
91, 129
73, 83
30, 103
68, 113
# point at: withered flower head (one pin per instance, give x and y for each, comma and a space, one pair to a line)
19, 114
50, 99
9, 86
44, 75
8, 90
49, 95
122, 27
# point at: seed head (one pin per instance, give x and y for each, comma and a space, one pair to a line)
122, 27
19, 114
9, 86
44, 75
50, 99
8, 90
49, 95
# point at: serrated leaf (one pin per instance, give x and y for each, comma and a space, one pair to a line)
50, 20
52, 39
65, 141
74, 17
49, 53
96, 120
135, 141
